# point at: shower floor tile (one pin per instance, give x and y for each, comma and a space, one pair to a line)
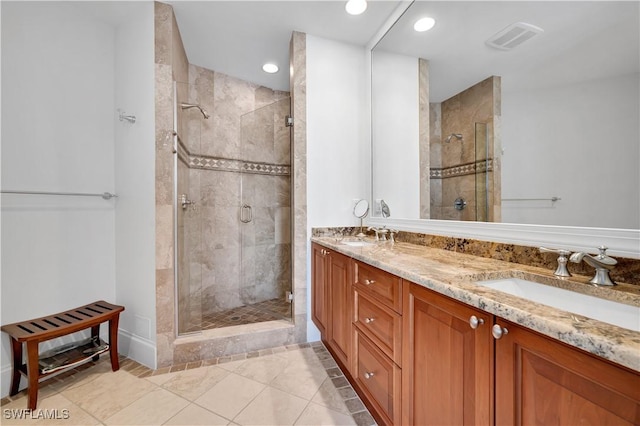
269, 310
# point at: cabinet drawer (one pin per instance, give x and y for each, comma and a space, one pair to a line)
379, 284
379, 378
381, 324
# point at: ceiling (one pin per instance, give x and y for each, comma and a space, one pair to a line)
582, 40
238, 37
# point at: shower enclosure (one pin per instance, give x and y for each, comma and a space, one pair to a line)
233, 204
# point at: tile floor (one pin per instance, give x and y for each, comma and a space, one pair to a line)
269, 310
297, 384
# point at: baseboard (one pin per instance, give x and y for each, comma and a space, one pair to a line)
137, 348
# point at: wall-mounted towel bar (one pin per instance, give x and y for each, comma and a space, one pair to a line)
104, 195
552, 199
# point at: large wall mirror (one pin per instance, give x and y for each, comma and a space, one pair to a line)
543, 128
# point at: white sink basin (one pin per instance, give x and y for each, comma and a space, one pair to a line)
615, 313
357, 243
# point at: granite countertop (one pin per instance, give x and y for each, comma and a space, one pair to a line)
454, 274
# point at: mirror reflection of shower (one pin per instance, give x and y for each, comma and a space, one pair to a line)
188, 106
456, 135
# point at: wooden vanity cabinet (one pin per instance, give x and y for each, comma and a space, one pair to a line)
447, 369
541, 381
331, 300
417, 357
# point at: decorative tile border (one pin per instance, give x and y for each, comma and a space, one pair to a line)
228, 165
183, 152
204, 162
461, 169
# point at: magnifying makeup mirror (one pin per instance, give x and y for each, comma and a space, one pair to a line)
360, 210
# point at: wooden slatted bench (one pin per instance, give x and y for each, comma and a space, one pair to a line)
38, 330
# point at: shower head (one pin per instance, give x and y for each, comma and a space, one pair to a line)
452, 135
187, 106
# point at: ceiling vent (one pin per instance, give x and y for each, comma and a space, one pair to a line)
513, 35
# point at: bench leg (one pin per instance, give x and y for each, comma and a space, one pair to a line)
17, 364
113, 342
95, 332
33, 373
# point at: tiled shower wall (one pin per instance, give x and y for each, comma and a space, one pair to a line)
454, 164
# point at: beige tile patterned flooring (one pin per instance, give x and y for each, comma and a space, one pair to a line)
296, 384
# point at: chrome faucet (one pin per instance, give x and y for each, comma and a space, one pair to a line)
381, 233
602, 263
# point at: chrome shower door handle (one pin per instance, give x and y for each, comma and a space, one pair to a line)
246, 214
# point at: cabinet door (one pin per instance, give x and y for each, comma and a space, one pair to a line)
339, 320
447, 368
540, 381
319, 313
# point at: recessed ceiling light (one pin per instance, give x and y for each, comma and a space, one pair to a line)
270, 68
356, 7
424, 24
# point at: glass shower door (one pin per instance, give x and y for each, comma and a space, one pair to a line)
265, 212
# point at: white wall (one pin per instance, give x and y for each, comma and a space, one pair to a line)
396, 137
57, 135
66, 68
603, 168
337, 137
135, 184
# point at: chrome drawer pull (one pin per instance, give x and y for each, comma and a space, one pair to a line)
369, 282
369, 320
368, 375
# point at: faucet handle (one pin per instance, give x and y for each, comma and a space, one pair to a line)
392, 233
561, 252
605, 258
603, 251
561, 270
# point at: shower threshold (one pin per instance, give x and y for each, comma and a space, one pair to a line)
268, 310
